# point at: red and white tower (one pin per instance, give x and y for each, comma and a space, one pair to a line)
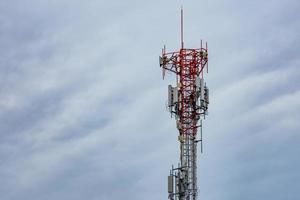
188, 101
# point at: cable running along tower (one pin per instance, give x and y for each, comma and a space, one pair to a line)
188, 101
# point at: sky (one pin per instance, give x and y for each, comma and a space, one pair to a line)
83, 104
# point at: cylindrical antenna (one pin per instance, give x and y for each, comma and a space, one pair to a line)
201, 138
207, 57
181, 27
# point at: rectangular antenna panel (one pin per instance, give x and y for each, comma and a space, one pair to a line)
170, 96
201, 89
206, 94
198, 83
176, 183
160, 61
170, 184
175, 95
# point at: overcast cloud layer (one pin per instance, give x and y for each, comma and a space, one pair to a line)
82, 101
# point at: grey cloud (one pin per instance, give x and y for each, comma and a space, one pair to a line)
82, 103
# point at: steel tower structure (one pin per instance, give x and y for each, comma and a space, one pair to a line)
188, 102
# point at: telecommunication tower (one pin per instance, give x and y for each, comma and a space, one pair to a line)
188, 101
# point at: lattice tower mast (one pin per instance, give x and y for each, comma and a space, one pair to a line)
188, 102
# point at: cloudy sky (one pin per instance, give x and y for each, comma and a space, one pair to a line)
82, 101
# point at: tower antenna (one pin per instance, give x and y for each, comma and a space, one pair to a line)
188, 101
181, 27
